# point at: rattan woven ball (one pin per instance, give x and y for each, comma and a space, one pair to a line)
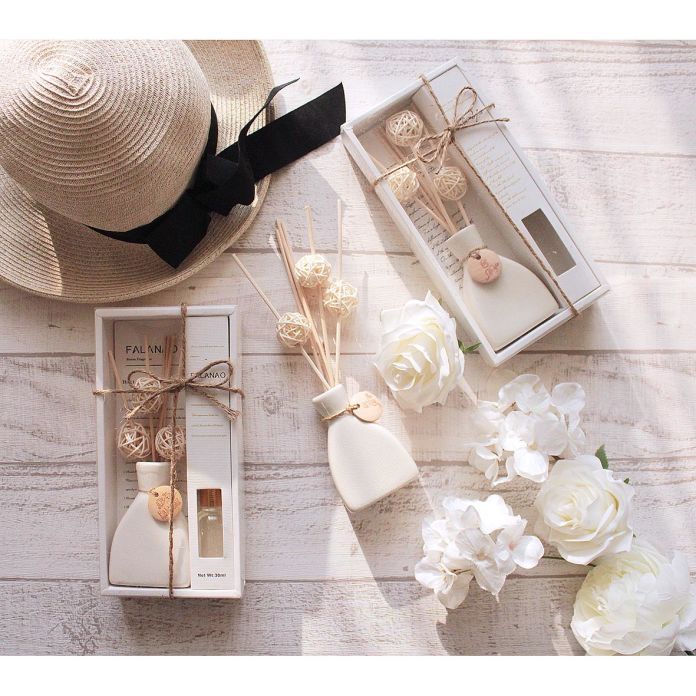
146, 385
341, 298
313, 271
405, 128
133, 441
293, 329
404, 183
451, 183
168, 445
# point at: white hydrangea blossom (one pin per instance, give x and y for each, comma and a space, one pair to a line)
526, 428
473, 539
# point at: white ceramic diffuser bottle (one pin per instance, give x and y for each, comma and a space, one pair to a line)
367, 461
140, 547
505, 298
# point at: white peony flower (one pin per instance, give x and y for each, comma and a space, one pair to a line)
419, 356
584, 511
479, 539
526, 429
636, 603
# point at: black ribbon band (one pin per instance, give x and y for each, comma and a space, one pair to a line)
229, 178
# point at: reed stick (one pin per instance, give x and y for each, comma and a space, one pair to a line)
256, 286
339, 210
463, 213
303, 305
276, 314
150, 419
460, 206
119, 381
432, 213
426, 200
428, 184
166, 373
322, 315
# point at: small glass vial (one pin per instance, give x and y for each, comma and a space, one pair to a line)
210, 538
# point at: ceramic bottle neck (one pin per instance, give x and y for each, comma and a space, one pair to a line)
462, 243
332, 402
151, 475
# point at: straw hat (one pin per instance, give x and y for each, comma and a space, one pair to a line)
107, 135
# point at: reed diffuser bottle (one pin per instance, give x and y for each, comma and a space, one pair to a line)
140, 547
210, 527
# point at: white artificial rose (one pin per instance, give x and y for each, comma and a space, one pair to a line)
419, 356
636, 603
584, 511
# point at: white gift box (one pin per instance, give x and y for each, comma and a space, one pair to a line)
509, 204
216, 467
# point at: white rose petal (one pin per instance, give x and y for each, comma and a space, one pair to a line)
584, 511
635, 603
419, 356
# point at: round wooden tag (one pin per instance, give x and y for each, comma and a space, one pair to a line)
368, 407
158, 503
484, 266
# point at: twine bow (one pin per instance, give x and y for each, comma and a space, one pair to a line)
433, 148
174, 386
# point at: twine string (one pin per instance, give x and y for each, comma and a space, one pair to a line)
348, 409
433, 148
174, 386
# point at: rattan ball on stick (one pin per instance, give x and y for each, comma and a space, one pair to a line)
133, 441
405, 128
313, 271
341, 298
170, 445
405, 185
146, 385
451, 183
293, 329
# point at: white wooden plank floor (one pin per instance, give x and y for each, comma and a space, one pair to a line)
611, 128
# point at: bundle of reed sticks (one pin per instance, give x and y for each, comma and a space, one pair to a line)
315, 346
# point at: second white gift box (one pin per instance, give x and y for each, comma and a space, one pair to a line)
513, 211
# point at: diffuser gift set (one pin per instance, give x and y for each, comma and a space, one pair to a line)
476, 214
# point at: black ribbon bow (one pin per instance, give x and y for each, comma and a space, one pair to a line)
229, 178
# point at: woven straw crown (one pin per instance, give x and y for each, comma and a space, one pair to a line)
105, 133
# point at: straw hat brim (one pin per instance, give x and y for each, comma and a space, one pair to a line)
50, 255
